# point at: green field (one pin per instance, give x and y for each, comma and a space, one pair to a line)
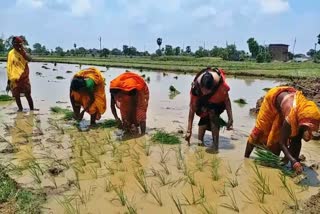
192, 64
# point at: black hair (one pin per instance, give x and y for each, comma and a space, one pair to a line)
207, 80
77, 83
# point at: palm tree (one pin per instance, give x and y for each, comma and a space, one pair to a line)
159, 42
319, 39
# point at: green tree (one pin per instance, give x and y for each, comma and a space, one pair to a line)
188, 50
177, 51
201, 52
37, 48
168, 50
82, 51
253, 47
132, 51
158, 52
319, 39
104, 52
59, 51
311, 53
116, 52
2, 46
125, 50
159, 42
260, 58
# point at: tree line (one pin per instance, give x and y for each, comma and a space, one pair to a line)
258, 52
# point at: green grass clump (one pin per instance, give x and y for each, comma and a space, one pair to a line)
24, 200
266, 89
68, 114
60, 77
240, 101
165, 138
109, 123
68, 72
173, 89
4, 98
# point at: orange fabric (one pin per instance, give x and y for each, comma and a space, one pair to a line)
99, 105
269, 120
127, 82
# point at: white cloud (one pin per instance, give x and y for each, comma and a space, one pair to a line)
274, 6
80, 7
204, 12
31, 3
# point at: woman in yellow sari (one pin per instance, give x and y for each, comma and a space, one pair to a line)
18, 73
87, 90
285, 118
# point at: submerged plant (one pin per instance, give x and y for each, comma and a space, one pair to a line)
60, 77
141, 179
290, 191
195, 201
165, 138
233, 205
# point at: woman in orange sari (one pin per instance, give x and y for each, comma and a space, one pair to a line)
87, 90
18, 73
130, 93
285, 117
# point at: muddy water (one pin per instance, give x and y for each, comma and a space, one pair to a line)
84, 165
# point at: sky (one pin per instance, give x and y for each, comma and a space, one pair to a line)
178, 22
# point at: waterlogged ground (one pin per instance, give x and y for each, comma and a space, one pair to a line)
95, 171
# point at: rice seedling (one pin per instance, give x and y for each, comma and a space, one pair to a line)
78, 168
172, 89
215, 164
146, 148
35, 173
208, 209
260, 186
130, 207
101, 149
290, 191
93, 157
4, 98
156, 194
108, 185
266, 210
68, 72
190, 178
60, 77
238, 170
143, 75
109, 168
68, 114
122, 198
178, 181
148, 79
200, 161
178, 204
193, 201
233, 182
163, 179
163, 155
53, 180
240, 101
77, 181
165, 168
266, 89
229, 169
233, 205
141, 179
66, 203
94, 172
163, 137
247, 197
84, 196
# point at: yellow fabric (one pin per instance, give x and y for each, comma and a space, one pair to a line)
303, 112
269, 120
16, 65
99, 105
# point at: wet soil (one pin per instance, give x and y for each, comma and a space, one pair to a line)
312, 205
86, 170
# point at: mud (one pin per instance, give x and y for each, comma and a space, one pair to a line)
312, 205
85, 171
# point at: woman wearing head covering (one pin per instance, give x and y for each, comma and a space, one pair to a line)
87, 90
18, 73
285, 117
130, 93
209, 97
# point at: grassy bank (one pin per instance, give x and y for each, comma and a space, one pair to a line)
192, 64
14, 199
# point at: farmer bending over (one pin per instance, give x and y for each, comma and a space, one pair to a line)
208, 99
285, 117
130, 93
87, 90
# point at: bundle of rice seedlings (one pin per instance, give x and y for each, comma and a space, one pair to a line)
240, 101
68, 114
60, 77
4, 98
109, 123
267, 158
165, 138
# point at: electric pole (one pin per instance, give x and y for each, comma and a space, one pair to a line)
100, 42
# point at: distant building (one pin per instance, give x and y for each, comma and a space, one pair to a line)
279, 52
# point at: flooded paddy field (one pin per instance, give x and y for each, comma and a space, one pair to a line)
96, 171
